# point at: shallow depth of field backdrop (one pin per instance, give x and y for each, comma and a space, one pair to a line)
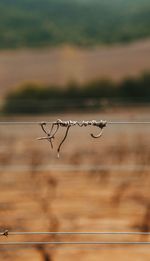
75, 60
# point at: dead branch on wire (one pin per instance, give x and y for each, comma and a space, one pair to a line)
51, 133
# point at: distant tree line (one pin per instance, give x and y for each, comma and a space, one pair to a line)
34, 98
35, 23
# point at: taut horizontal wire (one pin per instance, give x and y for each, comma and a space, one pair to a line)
75, 168
51, 133
7, 233
55, 122
72, 243
77, 247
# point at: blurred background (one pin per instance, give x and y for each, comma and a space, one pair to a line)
75, 60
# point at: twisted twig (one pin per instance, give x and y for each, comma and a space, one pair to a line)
58, 150
50, 135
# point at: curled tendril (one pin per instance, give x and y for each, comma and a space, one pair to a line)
50, 134
101, 125
59, 147
4, 233
97, 136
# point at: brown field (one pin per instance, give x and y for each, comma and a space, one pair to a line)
109, 196
64, 64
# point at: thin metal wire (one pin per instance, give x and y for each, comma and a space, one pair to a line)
77, 247
128, 122
55, 122
50, 135
75, 168
72, 243
68, 124
7, 233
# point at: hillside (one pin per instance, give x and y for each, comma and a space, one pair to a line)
58, 66
31, 23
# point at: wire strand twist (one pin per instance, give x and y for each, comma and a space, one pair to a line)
51, 133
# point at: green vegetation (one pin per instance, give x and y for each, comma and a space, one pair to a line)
34, 23
92, 96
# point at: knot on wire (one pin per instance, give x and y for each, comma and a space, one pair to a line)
51, 133
4, 233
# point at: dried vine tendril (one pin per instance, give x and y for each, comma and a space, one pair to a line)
51, 133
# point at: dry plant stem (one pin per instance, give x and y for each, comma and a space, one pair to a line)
97, 136
50, 135
5, 233
58, 150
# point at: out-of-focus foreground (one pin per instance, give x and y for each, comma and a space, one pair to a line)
97, 185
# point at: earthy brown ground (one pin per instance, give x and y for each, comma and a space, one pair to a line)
95, 200
61, 65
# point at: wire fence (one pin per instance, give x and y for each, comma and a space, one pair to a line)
17, 248
76, 122
7, 233
50, 136
72, 243
75, 168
